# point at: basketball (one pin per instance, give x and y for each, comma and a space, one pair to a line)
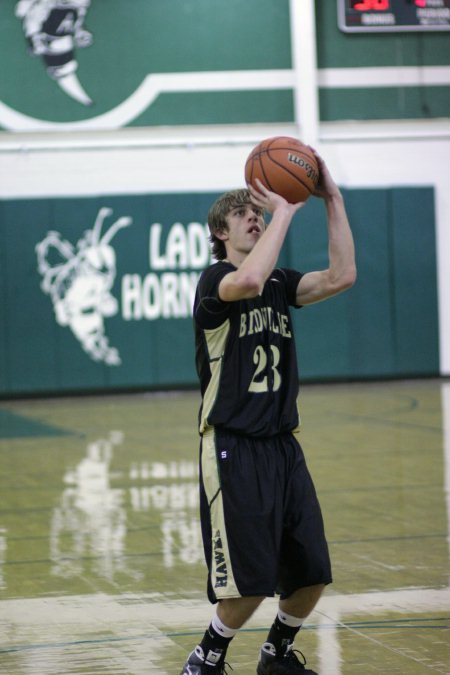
283, 165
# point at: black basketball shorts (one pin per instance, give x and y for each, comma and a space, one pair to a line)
261, 521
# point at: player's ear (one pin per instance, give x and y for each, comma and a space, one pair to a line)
221, 234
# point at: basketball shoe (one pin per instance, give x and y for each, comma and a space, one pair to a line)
288, 664
198, 664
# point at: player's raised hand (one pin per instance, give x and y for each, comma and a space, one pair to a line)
270, 201
326, 187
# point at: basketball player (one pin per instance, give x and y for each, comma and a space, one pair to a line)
261, 521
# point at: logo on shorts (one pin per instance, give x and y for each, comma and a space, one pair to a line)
219, 562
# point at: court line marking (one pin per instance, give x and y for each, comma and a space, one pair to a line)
158, 609
155, 614
382, 623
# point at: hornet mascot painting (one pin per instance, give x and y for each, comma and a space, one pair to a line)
79, 280
54, 29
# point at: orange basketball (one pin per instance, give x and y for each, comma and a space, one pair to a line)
283, 165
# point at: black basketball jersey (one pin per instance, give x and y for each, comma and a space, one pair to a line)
245, 355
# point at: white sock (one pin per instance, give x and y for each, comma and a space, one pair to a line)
292, 621
221, 629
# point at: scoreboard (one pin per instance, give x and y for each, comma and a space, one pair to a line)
367, 16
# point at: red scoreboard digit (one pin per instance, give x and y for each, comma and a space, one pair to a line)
369, 5
365, 16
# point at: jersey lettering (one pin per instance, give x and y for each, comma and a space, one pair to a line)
243, 330
257, 320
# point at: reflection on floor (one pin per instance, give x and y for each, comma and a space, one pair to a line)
101, 564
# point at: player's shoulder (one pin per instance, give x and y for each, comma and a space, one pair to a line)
286, 280
218, 267
215, 272
278, 275
284, 275
209, 309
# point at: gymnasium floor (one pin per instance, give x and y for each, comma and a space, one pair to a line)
101, 566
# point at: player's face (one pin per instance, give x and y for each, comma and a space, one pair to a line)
245, 226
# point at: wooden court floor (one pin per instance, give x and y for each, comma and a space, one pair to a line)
101, 565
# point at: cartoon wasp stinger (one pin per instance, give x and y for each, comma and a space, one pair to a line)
79, 284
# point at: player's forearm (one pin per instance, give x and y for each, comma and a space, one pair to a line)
341, 247
264, 256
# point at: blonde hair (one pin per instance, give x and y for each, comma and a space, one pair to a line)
217, 218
